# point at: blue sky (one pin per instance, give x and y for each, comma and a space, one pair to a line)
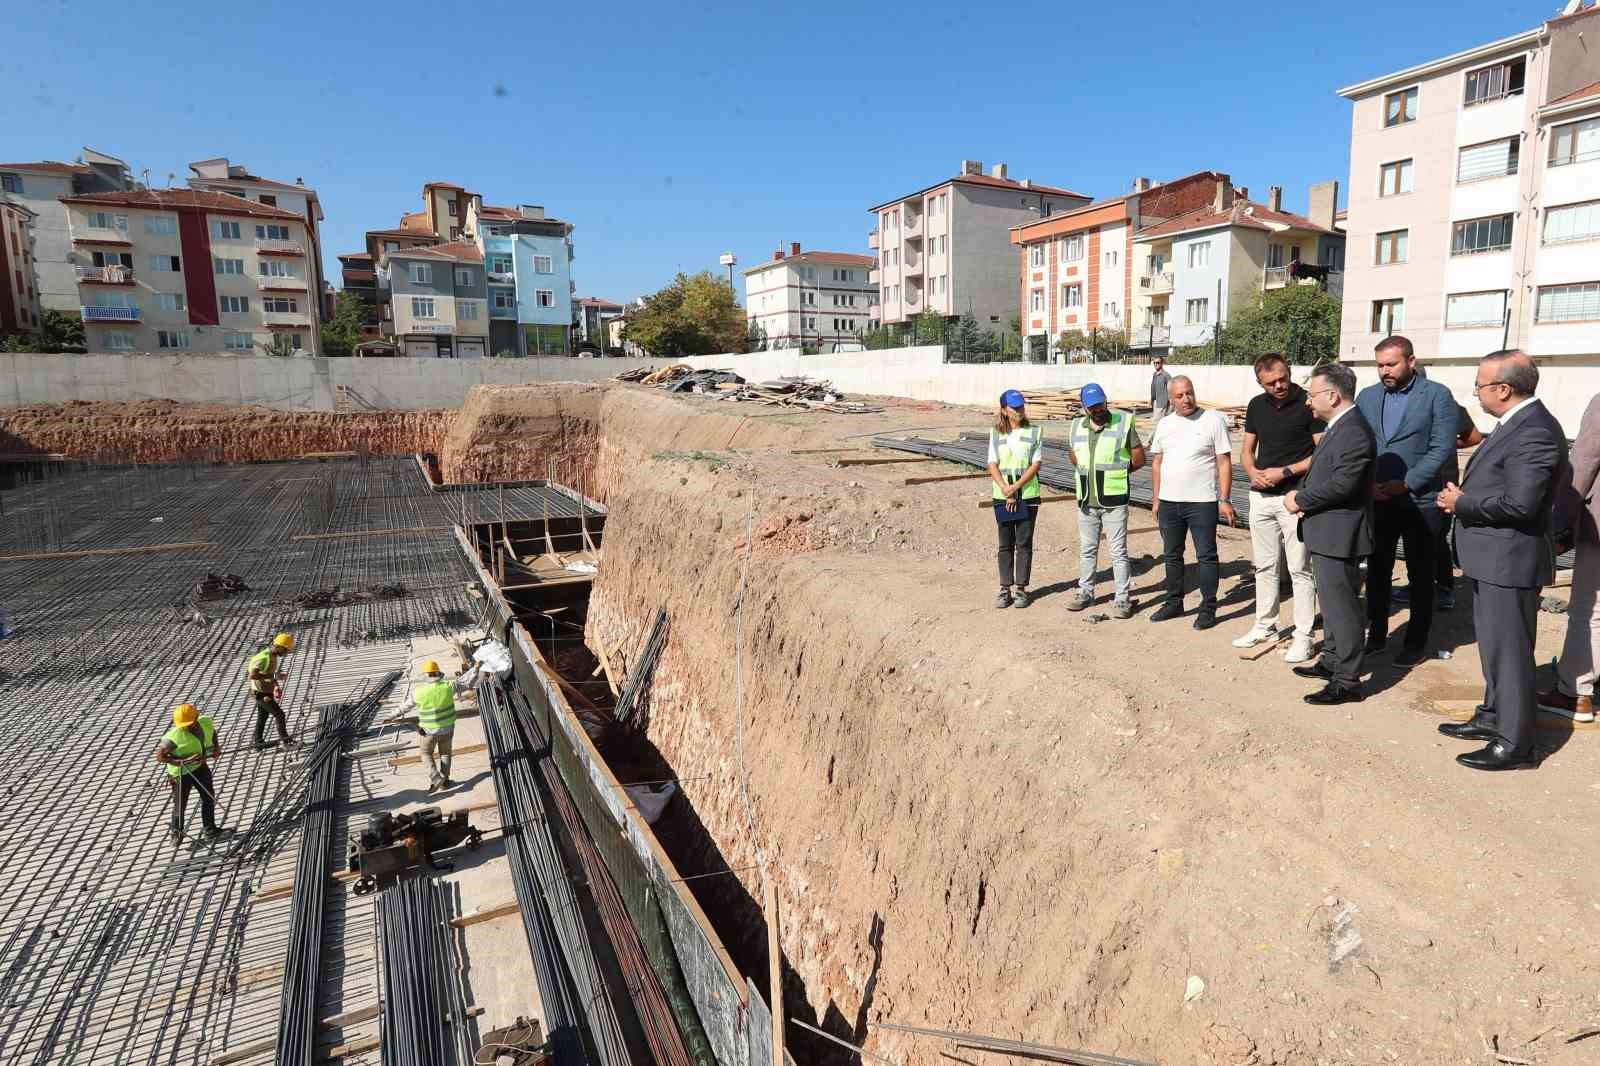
670, 133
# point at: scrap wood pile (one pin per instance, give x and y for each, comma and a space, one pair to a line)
1047, 404
681, 377
334, 596
798, 392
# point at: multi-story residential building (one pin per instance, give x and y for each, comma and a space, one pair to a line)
1194, 268
528, 257
1077, 265
590, 318
821, 299
19, 293
39, 187
947, 249
359, 277
233, 179
187, 270
439, 299
1475, 197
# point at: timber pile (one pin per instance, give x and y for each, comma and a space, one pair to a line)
1048, 404
638, 373
798, 392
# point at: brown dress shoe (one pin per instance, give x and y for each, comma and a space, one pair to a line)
1578, 708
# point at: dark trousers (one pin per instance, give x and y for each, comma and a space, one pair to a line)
267, 706
1016, 549
194, 781
1343, 627
1505, 620
1443, 565
1417, 526
1199, 522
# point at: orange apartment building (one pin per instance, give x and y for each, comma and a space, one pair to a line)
1075, 268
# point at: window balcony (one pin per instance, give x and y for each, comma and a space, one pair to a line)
502, 312
105, 275
109, 314
910, 224
282, 319
1149, 336
1277, 277
872, 238
101, 235
912, 265
501, 277
874, 276
1154, 283
279, 248
275, 283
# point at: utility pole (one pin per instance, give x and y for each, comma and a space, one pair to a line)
1216, 330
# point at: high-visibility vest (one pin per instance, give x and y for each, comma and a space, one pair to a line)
1012, 462
436, 705
265, 662
1106, 463
185, 745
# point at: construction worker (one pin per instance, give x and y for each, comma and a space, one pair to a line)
1105, 449
266, 684
184, 751
1016, 449
434, 700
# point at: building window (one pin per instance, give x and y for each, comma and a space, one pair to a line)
1111, 259
1400, 107
499, 264
1475, 309
1576, 142
467, 310
1481, 235
497, 231
11, 183
228, 266
238, 342
450, 205
112, 299
269, 200
224, 231
111, 259
1036, 257
272, 233
391, 246
1494, 82
455, 233
504, 298
1388, 316
1569, 303
1394, 178
421, 274
1200, 254
1111, 309
170, 301
1072, 248
1274, 256
118, 341
1391, 247
236, 305
1494, 159
1572, 222
544, 297
165, 264
160, 225
1197, 312
1072, 296
280, 305
1036, 300
463, 278
421, 307
104, 220
172, 338
542, 265
276, 268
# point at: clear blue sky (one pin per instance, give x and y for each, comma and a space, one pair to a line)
669, 133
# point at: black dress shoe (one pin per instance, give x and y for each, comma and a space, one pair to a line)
1498, 756
1376, 642
1205, 620
1469, 730
1335, 693
1170, 609
1315, 670
1410, 657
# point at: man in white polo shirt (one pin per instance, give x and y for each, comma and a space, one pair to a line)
1192, 474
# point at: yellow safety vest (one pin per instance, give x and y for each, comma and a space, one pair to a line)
436, 705
185, 745
265, 662
1012, 463
1107, 462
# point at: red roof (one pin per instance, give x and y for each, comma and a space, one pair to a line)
160, 199
48, 167
465, 251
499, 212
849, 259
1243, 213
1577, 94
355, 255
595, 301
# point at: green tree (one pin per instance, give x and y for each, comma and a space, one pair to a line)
57, 332
1300, 321
693, 315
928, 328
1072, 342
342, 335
281, 346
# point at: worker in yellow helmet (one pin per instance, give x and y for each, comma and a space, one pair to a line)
266, 685
186, 752
434, 701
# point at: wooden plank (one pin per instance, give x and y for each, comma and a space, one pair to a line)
822, 451
875, 461
984, 505
774, 969
339, 1051
283, 888
572, 691
408, 760
946, 477
486, 914
351, 1017
86, 553
239, 1054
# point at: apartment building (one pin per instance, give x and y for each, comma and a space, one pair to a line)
821, 299
439, 298
528, 258
233, 179
591, 320
19, 293
1475, 197
1193, 269
947, 248
186, 270
39, 188
1077, 265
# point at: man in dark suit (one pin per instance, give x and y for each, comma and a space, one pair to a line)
1502, 511
1335, 507
1414, 421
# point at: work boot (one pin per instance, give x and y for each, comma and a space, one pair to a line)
1020, 597
213, 832
1003, 599
1079, 600
1124, 609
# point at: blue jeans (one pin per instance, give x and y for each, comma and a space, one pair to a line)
1199, 522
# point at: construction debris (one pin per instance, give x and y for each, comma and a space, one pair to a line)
799, 392
332, 596
217, 586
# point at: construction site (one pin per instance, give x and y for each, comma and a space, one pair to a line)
747, 768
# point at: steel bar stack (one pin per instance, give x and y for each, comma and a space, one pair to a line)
297, 1023
638, 681
423, 1023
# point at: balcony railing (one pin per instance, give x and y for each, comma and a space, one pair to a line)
874, 276
100, 235
109, 314
501, 277
911, 225
285, 318
279, 248
872, 238
1150, 336
1277, 277
1156, 282
912, 263
275, 281
105, 275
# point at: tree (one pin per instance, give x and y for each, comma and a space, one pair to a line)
281, 346
342, 335
1300, 321
1071, 342
693, 315
57, 332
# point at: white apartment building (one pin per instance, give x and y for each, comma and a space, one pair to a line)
947, 248
39, 188
823, 299
1474, 219
219, 175
177, 270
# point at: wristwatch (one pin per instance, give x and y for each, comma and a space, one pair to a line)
1287, 472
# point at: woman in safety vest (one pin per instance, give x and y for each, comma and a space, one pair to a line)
1015, 451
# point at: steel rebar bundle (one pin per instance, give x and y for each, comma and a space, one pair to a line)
422, 1022
638, 681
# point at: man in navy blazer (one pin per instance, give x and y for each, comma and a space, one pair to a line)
1414, 420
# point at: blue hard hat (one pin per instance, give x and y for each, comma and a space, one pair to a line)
1012, 398
1092, 394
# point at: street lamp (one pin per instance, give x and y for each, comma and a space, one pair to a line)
728, 259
